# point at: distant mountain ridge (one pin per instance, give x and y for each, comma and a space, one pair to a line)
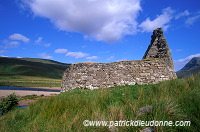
192, 67
52, 69
32, 67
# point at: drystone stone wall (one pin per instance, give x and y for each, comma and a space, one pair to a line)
104, 75
156, 66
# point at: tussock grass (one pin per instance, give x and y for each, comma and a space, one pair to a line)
174, 100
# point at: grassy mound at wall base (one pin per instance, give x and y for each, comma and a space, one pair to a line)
175, 100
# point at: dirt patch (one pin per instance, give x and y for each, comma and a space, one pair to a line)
30, 101
41, 94
20, 93
5, 93
56, 88
26, 102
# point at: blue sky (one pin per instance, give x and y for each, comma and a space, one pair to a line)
73, 31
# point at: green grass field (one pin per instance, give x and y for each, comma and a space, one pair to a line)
29, 81
175, 100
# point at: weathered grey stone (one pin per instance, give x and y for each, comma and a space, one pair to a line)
112, 128
148, 129
144, 110
158, 47
156, 66
144, 74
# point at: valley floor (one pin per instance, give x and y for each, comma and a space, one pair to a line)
5, 93
29, 81
21, 93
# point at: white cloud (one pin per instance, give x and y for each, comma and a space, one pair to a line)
44, 55
92, 57
3, 56
191, 20
123, 59
179, 50
60, 51
110, 58
84, 46
77, 55
188, 58
178, 64
104, 20
185, 13
39, 40
161, 21
10, 44
2, 51
17, 36
47, 44
13, 43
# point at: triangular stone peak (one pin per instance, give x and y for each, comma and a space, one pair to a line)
158, 47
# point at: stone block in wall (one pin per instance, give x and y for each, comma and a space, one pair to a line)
144, 74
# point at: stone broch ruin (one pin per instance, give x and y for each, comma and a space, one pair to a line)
156, 66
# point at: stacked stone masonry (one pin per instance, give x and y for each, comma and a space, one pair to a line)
150, 70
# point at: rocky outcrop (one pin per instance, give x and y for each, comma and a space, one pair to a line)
155, 67
144, 110
149, 129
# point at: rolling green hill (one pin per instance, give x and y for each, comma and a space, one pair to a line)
31, 67
192, 67
31, 72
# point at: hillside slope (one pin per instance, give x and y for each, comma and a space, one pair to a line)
192, 67
31, 67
